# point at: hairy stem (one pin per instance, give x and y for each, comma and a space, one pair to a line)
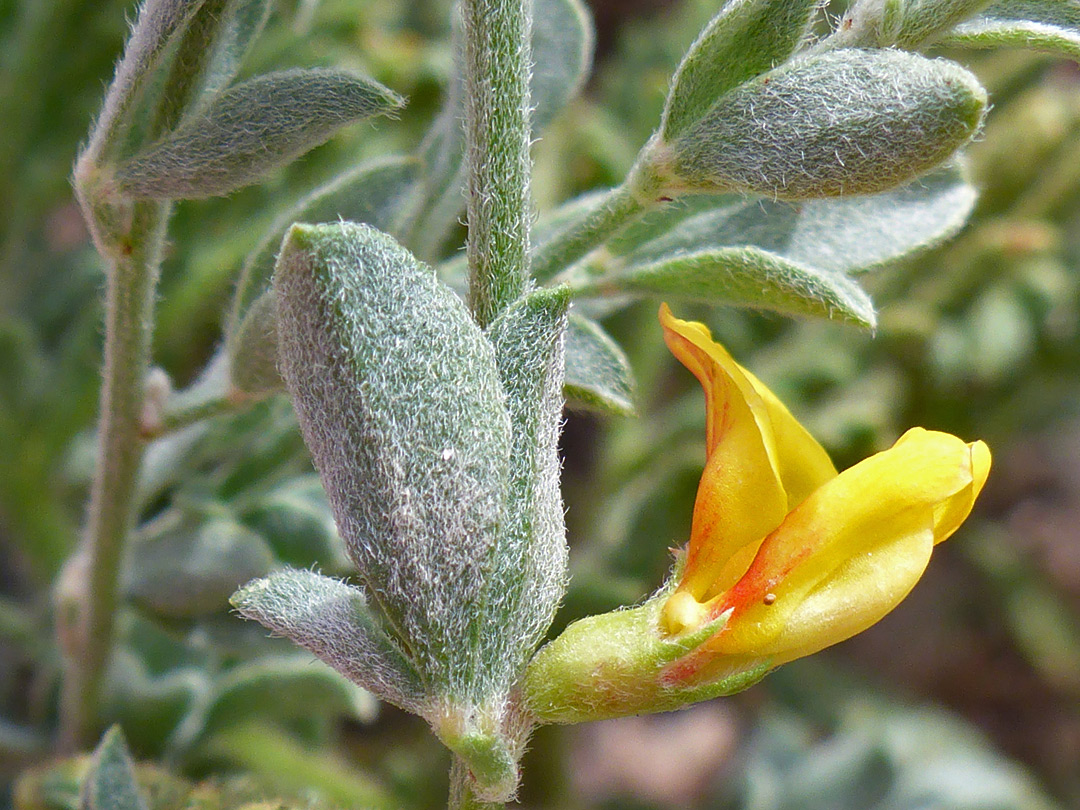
88, 591
462, 796
618, 207
497, 54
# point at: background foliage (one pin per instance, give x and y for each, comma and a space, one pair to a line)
967, 697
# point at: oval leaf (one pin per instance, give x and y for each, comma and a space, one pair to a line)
332, 620
249, 130
747, 38
598, 375
744, 277
400, 403
1042, 25
844, 235
843, 122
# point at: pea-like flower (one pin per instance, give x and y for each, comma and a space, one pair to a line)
796, 556
785, 558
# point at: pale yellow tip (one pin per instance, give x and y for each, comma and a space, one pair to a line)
682, 612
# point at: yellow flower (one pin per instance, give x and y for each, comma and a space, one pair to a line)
785, 557
793, 555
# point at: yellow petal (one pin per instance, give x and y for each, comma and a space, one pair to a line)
803, 463
760, 461
853, 549
950, 514
740, 498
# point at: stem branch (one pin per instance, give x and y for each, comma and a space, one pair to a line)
88, 591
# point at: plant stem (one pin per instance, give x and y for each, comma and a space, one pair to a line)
497, 139
619, 206
88, 592
461, 790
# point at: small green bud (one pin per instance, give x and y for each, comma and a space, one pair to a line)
401, 405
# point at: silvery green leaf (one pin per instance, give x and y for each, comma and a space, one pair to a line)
371, 193
747, 38
332, 620
925, 20
1043, 25
238, 26
253, 349
110, 782
159, 24
250, 129
295, 520
285, 687
844, 235
743, 276
562, 43
192, 570
205, 60
401, 405
527, 571
907, 24
598, 375
841, 122
562, 48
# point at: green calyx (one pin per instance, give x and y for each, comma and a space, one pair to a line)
622, 663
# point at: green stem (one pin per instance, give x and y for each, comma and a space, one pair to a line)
619, 207
88, 592
462, 796
497, 138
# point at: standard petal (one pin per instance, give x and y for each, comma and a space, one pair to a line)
740, 498
851, 550
803, 463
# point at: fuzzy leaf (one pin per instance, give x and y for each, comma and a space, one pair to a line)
745, 276
1042, 25
286, 686
295, 520
598, 375
924, 20
372, 193
253, 349
844, 235
528, 569
562, 47
747, 38
191, 571
562, 43
238, 26
205, 60
110, 782
331, 620
907, 24
249, 130
842, 122
159, 25
400, 403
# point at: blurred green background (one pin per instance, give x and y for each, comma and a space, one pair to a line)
968, 696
